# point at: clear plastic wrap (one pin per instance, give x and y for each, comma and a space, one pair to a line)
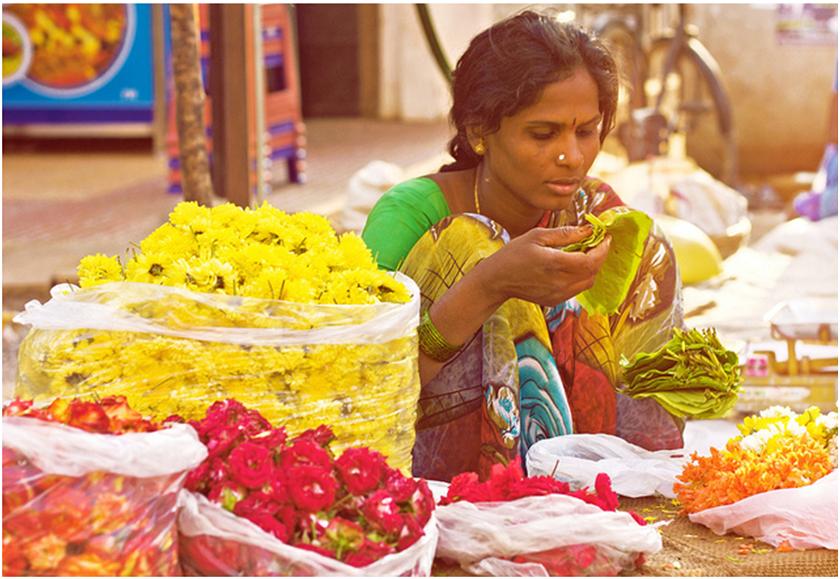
216, 542
559, 533
78, 503
634, 471
804, 517
172, 351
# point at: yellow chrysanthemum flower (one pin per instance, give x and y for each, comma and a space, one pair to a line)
98, 269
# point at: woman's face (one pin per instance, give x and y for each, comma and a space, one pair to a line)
523, 158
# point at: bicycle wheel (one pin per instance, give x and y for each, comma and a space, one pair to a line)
695, 102
621, 41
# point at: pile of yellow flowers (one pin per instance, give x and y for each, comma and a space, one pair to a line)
776, 449
274, 310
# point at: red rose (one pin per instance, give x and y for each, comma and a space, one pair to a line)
253, 423
274, 439
360, 469
278, 487
251, 465
311, 488
369, 552
270, 524
218, 471
422, 503
399, 486
382, 512
256, 503
321, 436
175, 419
197, 479
305, 453
221, 439
410, 534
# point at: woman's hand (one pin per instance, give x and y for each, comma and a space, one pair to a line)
533, 267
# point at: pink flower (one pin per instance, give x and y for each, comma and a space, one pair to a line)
458, 486
274, 439
315, 549
382, 513
218, 470
360, 469
277, 486
305, 453
537, 486
221, 439
251, 465
369, 552
502, 479
311, 488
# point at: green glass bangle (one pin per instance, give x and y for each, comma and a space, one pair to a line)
432, 343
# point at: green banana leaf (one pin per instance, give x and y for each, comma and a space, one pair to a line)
692, 375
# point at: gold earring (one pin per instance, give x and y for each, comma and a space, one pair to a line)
480, 149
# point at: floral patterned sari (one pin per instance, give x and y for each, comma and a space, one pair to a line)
534, 373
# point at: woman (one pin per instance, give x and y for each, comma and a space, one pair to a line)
506, 356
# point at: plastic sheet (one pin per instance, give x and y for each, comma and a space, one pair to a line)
93, 517
634, 471
172, 351
804, 517
561, 534
214, 541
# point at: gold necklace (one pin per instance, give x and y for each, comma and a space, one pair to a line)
475, 191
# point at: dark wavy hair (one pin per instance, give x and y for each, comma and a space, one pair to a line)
506, 67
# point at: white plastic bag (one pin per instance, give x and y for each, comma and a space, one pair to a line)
80, 503
214, 541
805, 517
171, 351
519, 537
366, 186
634, 471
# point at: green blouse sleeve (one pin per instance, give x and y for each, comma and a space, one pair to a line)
401, 217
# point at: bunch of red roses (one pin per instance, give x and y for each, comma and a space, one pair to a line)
100, 523
353, 508
510, 483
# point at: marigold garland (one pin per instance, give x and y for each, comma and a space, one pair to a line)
777, 449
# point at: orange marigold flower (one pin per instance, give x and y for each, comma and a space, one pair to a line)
728, 476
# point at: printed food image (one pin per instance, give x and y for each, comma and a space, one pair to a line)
73, 44
12, 50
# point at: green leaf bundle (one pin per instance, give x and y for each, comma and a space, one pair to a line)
692, 375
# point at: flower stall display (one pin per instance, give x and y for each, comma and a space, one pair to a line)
265, 504
90, 488
272, 309
776, 481
513, 525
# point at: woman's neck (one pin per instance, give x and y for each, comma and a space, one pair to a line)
498, 203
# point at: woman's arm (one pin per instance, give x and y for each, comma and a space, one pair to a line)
531, 267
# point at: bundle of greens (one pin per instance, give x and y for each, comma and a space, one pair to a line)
692, 375
629, 231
